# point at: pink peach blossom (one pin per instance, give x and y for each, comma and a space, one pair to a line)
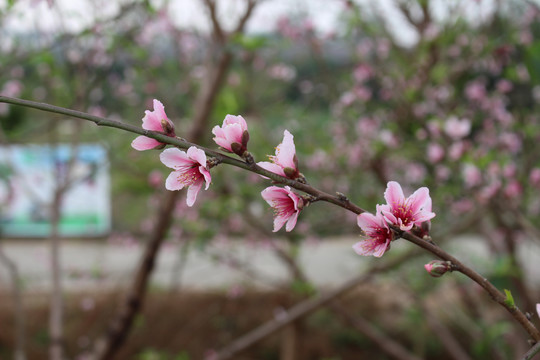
378, 235
190, 170
406, 212
287, 205
285, 162
233, 135
155, 120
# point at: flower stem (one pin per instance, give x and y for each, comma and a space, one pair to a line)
180, 143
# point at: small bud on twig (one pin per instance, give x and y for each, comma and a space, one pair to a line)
438, 268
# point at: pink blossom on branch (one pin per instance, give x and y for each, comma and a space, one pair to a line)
287, 205
285, 162
155, 120
233, 135
406, 212
190, 170
378, 235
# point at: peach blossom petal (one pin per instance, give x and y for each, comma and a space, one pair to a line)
144, 143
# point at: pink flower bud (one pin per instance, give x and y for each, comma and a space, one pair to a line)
155, 120
233, 135
437, 268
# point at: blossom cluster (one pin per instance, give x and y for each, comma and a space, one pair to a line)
398, 211
191, 169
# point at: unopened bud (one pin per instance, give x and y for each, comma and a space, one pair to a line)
422, 231
437, 268
237, 148
291, 173
168, 127
245, 138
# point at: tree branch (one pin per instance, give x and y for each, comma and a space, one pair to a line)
222, 158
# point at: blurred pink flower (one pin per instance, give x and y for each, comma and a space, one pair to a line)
456, 128
287, 205
435, 152
233, 135
534, 177
190, 170
285, 162
378, 235
406, 212
155, 120
471, 175
442, 173
513, 189
487, 192
511, 141
504, 86
538, 309
456, 150
282, 72
155, 178
475, 91
362, 72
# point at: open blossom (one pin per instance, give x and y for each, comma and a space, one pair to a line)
233, 136
285, 162
155, 120
190, 170
378, 235
287, 205
406, 212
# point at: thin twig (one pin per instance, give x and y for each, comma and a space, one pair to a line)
225, 159
495, 294
533, 351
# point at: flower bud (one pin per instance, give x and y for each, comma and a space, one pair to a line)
237, 148
290, 172
245, 138
167, 126
437, 268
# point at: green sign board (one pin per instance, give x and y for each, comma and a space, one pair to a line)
29, 176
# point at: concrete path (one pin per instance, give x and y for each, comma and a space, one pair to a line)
93, 265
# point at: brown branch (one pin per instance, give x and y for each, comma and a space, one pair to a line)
245, 17
217, 30
533, 351
495, 294
338, 200
120, 326
18, 313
